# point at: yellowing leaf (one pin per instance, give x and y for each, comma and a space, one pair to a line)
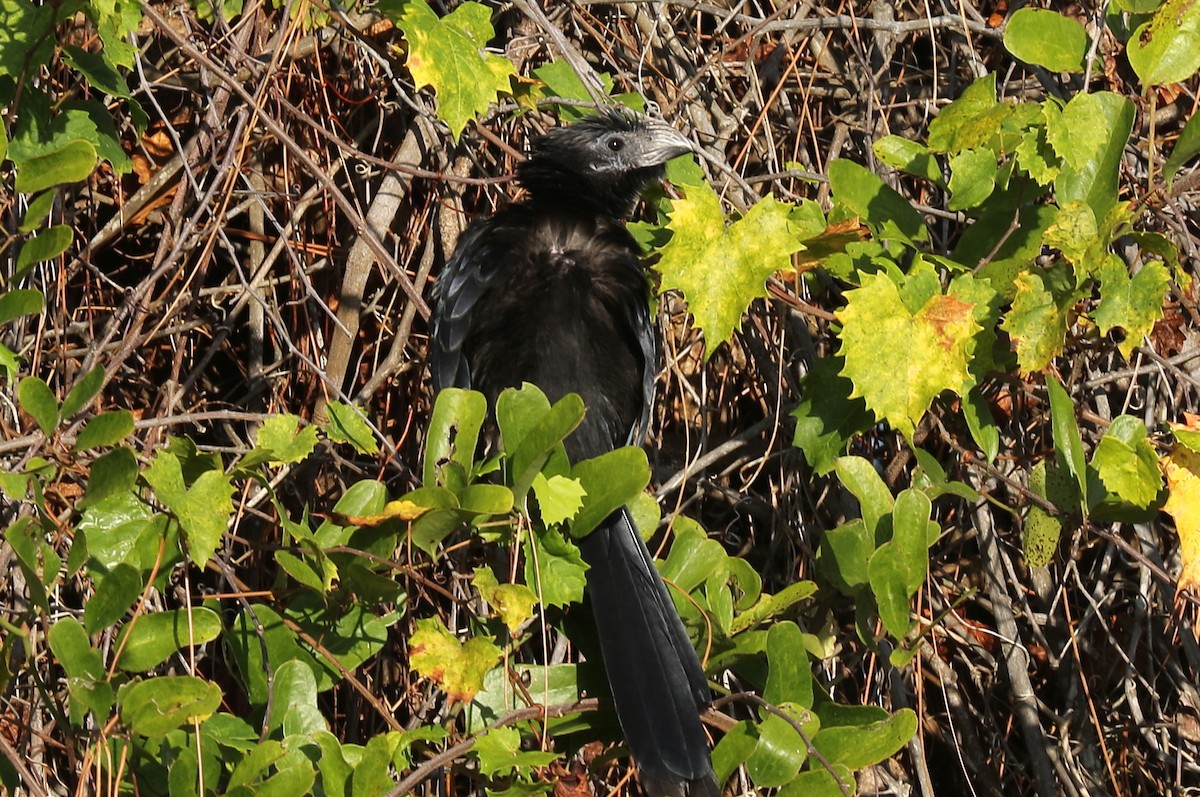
448, 55
393, 510
1132, 303
458, 667
513, 602
1037, 323
721, 269
1182, 469
900, 361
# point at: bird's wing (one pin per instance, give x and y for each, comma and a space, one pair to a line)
466, 277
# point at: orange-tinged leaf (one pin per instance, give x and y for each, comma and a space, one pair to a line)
833, 239
898, 360
1182, 469
458, 667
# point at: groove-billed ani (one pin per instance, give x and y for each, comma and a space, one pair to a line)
551, 291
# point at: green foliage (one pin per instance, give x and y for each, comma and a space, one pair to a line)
1166, 49
447, 54
1046, 38
722, 269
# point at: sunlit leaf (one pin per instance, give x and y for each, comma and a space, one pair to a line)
719, 268
457, 667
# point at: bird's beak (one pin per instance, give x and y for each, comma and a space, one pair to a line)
666, 142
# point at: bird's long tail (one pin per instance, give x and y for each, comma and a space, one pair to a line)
657, 682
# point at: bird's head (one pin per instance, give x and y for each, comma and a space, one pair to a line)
605, 161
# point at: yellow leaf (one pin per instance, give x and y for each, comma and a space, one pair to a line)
458, 667
393, 510
1182, 469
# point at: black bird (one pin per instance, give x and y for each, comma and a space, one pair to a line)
552, 291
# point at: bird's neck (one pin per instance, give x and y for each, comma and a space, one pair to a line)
552, 187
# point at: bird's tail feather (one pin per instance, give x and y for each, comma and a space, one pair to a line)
656, 679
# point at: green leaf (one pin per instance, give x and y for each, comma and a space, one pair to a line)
453, 431
1039, 539
1096, 180
858, 746
85, 389
897, 569
970, 122
448, 54
301, 571
1167, 48
159, 705
878, 205
533, 431
203, 510
610, 481
827, 419
732, 751
1132, 303
981, 424
1046, 38
1073, 131
295, 700
153, 638
908, 156
556, 684
246, 644
1037, 322
113, 473
554, 568
789, 678
46, 245
1126, 464
860, 478
106, 429
559, 498
561, 81
100, 72
845, 555
972, 178
722, 269
693, 557
71, 647
26, 36
457, 667
1186, 147
1043, 530
72, 163
819, 782
16, 303
1068, 445
499, 753
114, 594
778, 753
282, 439
38, 400
767, 607
1036, 155
486, 499
898, 360
346, 425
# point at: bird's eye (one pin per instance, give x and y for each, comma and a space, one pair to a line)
615, 144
